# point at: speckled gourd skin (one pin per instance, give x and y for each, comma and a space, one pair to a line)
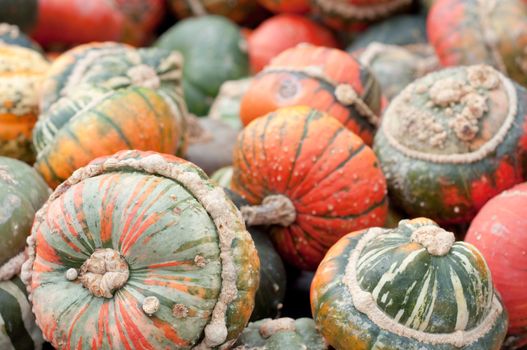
443, 157
22, 193
481, 31
182, 240
450, 292
282, 333
21, 74
95, 122
235, 10
214, 51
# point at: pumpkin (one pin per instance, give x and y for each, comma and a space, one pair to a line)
111, 65
323, 78
310, 178
237, 10
498, 231
412, 287
282, 333
270, 38
222, 177
269, 298
399, 30
465, 32
11, 35
452, 140
21, 74
214, 51
130, 21
354, 15
395, 67
94, 122
226, 106
22, 13
286, 6
140, 250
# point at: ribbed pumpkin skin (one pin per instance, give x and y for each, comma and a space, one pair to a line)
235, 10
270, 38
445, 174
84, 129
310, 75
130, 21
285, 6
142, 205
22, 13
17, 323
12, 35
331, 177
298, 334
402, 278
22, 193
498, 231
213, 50
463, 33
21, 73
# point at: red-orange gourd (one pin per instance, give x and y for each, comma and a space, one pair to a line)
286, 6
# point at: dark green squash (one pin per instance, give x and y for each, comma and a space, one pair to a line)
214, 51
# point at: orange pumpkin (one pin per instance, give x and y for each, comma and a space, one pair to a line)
327, 79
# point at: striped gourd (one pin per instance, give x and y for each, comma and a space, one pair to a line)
140, 251
18, 329
327, 79
21, 74
452, 140
11, 35
236, 10
493, 32
94, 122
312, 179
412, 287
282, 333
111, 65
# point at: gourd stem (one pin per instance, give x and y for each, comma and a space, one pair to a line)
275, 210
104, 272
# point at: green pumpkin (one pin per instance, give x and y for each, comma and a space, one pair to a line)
22, 193
22, 13
282, 333
11, 35
226, 106
214, 52
412, 287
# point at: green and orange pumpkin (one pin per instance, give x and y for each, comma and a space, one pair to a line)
310, 179
498, 231
21, 74
412, 287
493, 32
139, 251
452, 140
286, 6
323, 78
236, 10
94, 122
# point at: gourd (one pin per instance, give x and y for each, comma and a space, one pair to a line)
11, 35
323, 78
214, 51
412, 287
235, 10
451, 141
286, 6
481, 32
21, 74
94, 122
223, 176
310, 179
270, 39
282, 333
226, 106
140, 250
498, 231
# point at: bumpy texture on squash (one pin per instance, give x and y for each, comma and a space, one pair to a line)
411, 287
140, 251
452, 140
323, 78
309, 177
236, 10
498, 231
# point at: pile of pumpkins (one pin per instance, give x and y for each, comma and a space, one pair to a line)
165, 164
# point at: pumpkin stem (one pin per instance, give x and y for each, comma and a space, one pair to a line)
275, 210
104, 272
436, 240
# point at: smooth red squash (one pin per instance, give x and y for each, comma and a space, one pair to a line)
282, 32
68, 23
286, 6
310, 178
327, 79
499, 231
